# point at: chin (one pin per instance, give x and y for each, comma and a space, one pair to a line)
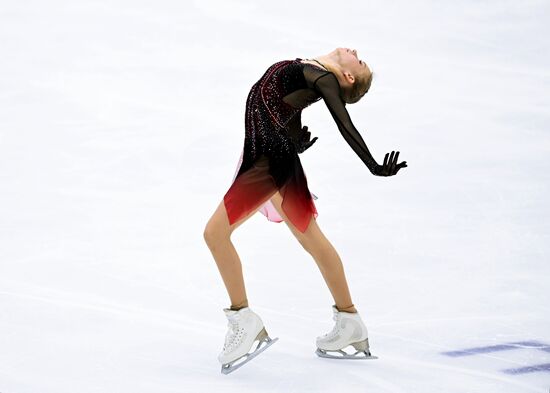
338, 52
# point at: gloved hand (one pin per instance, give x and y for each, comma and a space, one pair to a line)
304, 141
390, 167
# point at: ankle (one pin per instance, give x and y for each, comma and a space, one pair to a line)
240, 305
350, 309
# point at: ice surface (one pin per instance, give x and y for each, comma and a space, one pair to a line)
121, 123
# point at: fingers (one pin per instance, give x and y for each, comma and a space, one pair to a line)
311, 142
394, 163
305, 135
401, 165
306, 145
390, 166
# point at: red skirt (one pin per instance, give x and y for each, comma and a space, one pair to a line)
252, 190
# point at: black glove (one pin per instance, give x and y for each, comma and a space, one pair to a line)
390, 167
304, 141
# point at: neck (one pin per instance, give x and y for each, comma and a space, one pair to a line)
328, 61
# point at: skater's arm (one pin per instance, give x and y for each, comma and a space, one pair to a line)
327, 86
299, 134
294, 126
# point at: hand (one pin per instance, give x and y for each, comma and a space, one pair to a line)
390, 167
304, 141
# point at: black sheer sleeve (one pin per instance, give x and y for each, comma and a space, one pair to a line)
328, 87
294, 127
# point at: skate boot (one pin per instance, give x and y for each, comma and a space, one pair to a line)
348, 330
244, 328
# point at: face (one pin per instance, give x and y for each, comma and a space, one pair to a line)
349, 61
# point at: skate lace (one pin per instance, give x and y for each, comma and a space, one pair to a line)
335, 329
234, 334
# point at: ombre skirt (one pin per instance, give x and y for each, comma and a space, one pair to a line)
252, 189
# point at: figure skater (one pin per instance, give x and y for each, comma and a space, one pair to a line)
269, 178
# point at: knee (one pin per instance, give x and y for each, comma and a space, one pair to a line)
213, 234
315, 246
311, 250
306, 243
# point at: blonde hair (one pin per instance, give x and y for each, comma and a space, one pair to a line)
358, 89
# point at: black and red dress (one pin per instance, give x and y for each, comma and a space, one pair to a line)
269, 159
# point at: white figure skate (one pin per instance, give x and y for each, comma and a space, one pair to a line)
348, 330
245, 327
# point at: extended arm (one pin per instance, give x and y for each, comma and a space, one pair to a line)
327, 86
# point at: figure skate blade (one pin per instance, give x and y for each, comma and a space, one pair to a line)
232, 366
362, 355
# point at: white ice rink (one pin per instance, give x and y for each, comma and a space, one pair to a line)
121, 124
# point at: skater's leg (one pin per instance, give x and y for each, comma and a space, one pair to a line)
324, 254
217, 235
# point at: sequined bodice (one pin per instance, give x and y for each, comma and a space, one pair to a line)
285, 91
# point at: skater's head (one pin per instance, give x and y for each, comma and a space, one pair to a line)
353, 74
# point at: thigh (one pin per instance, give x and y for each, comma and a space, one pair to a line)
312, 234
245, 197
219, 222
